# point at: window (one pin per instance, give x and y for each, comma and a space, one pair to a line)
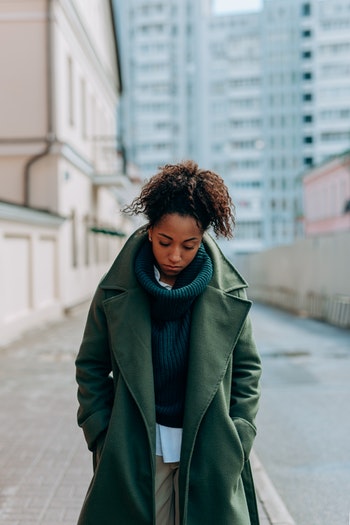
249, 230
70, 75
83, 109
330, 114
306, 9
307, 75
307, 54
74, 239
335, 136
243, 144
308, 161
246, 184
337, 23
87, 240
306, 33
307, 119
244, 82
308, 140
307, 97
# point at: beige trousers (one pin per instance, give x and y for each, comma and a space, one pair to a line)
167, 492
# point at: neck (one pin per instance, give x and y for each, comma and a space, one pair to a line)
167, 279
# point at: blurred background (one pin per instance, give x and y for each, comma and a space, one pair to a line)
96, 95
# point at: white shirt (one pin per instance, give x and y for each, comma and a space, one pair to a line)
168, 443
168, 439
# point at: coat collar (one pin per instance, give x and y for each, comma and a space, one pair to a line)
225, 276
129, 322
217, 320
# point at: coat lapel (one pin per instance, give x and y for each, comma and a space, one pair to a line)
212, 343
128, 316
217, 320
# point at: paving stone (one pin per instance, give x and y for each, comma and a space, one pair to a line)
44, 462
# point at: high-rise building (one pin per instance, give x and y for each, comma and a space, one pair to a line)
306, 100
190, 91
233, 142
157, 63
259, 97
331, 82
283, 103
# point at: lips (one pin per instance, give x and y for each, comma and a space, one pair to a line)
172, 268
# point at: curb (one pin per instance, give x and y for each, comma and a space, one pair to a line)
272, 503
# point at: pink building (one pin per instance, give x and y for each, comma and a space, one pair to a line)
327, 196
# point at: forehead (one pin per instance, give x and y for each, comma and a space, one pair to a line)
175, 225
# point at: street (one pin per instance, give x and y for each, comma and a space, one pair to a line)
303, 423
45, 466
304, 420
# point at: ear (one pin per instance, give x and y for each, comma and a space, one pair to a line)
150, 231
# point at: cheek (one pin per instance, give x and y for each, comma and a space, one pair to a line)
157, 253
189, 256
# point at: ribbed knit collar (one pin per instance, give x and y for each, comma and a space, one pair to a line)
172, 304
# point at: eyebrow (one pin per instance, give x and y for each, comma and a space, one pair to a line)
170, 238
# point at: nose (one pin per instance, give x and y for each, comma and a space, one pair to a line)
175, 255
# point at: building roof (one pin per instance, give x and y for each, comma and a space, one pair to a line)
332, 158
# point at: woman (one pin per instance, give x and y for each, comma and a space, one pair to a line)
168, 371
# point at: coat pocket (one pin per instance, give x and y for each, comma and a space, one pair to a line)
97, 452
246, 432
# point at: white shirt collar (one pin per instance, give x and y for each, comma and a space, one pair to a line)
157, 276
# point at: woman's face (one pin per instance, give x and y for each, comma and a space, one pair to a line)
175, 242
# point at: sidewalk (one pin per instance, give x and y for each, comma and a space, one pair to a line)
45, 467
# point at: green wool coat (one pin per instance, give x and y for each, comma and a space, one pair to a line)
117, 407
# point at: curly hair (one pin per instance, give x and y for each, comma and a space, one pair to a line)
187, 190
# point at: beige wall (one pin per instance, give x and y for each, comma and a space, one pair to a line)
22, 65
39, 277
58, 112
29, 272
83, 102
309, 277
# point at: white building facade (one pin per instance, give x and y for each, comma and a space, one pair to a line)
191, 92
233, 113
161, 63
60, 225
306, 100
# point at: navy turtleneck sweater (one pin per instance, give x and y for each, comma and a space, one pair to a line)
171, 321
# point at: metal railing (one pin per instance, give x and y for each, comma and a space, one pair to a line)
333, 309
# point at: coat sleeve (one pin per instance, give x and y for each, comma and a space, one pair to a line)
93, 374
245, 390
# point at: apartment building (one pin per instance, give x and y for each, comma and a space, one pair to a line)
306, 99
60, 177
259, 97
191, 92
331, 132
161, 73
233, 142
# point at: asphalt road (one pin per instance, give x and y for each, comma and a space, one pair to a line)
304, 420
